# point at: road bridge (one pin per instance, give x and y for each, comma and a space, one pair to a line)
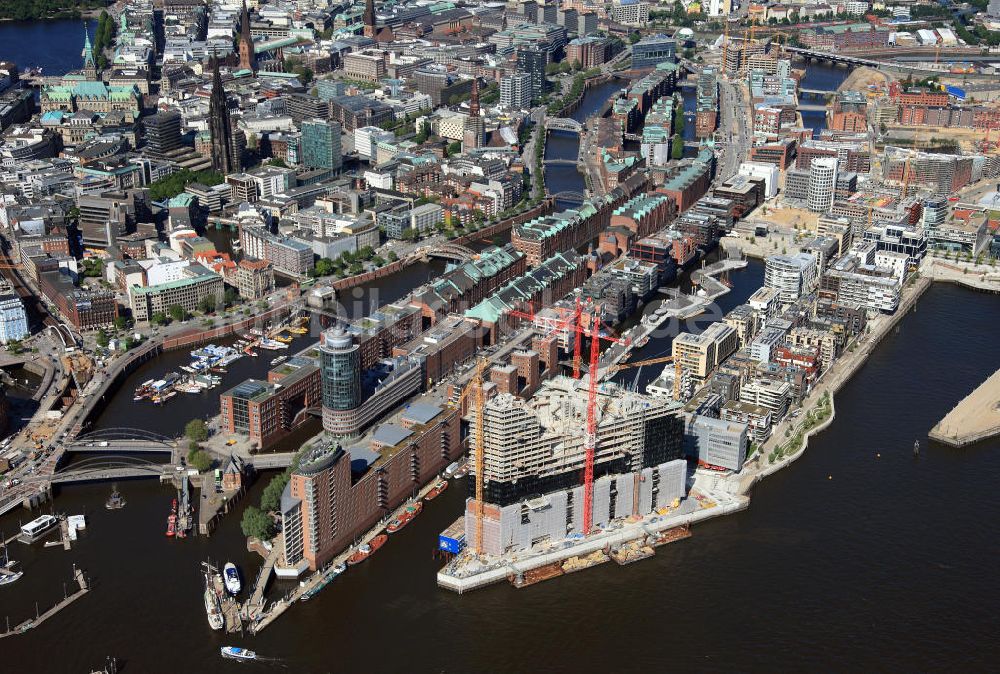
816, 92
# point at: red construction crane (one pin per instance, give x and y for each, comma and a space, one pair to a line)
590, 434
574, 323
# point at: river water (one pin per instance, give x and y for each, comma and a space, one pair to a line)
859, 557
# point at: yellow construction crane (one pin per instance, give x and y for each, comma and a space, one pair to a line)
725, 45
639, 363
475, 386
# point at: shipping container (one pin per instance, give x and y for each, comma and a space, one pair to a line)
452, 539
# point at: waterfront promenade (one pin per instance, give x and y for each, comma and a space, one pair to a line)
975, 418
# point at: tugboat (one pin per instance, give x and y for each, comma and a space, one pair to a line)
115, 501
172, 519
367, 550
231, 575
436, 490
236, 653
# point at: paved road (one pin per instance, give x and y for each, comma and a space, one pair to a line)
733, 128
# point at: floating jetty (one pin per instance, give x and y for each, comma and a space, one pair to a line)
975, 418
30, 623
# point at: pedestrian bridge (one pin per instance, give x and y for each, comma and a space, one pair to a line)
451, 251
563, 124
560, 162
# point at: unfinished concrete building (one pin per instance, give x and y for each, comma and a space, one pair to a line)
536, 447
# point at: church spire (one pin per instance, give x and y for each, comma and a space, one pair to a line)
248, 56
225, 157
474, 100
369, 18
89, 62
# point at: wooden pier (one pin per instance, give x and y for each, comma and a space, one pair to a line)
30, 623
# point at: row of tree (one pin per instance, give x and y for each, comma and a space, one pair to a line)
27, 10
103, 39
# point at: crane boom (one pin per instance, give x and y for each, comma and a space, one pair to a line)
590, 436
640, 363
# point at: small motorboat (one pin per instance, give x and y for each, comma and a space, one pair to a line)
231, 576
8, 577
237, 653
115, 501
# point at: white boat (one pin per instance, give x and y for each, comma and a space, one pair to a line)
237, 653
232, 578
215, 618
279, 360
37, 528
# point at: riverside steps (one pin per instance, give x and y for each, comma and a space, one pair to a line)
30, 623
975, 418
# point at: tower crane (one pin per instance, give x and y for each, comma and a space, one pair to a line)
574, 323
590, 433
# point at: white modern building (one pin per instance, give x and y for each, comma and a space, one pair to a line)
767, 172
13, 318
515, 91
790, 275
822, 184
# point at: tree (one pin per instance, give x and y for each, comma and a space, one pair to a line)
200, 460
208, 304
270, 498
257, 524
324, 267
196, 430
454, 148
677, 149
633, 38
177, 312
230, 297
102, 338
391, 256
159, 318
121, 323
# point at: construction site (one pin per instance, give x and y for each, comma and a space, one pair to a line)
570, 472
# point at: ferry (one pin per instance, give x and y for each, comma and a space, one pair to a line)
236, 653
232, 577
367, 550
37, 528
436, 490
